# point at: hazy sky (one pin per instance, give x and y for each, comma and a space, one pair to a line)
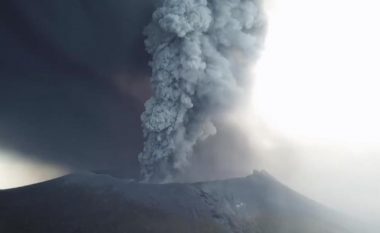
17, 171
74, 77
314, 114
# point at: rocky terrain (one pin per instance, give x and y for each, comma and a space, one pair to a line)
89, 203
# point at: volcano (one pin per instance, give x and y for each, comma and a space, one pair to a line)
93, 203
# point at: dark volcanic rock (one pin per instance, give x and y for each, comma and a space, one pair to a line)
88, 203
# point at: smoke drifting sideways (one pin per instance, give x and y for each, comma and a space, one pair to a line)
200, 50
73, 79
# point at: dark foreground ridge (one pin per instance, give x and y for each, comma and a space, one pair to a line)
88, 203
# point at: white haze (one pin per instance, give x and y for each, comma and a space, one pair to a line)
17, 171
314, 114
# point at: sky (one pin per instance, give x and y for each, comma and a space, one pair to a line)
313, 112
17, 171
72, 90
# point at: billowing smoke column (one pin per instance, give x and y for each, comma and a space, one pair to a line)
196, 46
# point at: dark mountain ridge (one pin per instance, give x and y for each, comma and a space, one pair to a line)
81, 203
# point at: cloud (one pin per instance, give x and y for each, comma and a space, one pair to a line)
58, 95
195, 45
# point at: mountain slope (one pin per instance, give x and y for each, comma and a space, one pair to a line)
84, 203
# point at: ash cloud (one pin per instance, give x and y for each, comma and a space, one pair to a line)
196, 46
59, 101
73, 76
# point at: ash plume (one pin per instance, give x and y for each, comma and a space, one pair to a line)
199, 50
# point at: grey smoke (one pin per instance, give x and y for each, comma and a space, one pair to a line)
59, 99
199, 50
